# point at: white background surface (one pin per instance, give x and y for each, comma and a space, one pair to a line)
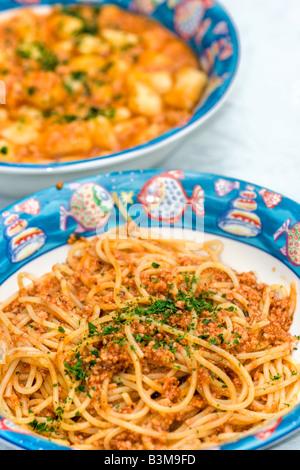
256, 135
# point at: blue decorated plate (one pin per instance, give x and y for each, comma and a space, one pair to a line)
209, 31
260, 230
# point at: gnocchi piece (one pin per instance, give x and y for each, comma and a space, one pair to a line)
160, 81
147, 134
155, 38
3, 114
20, 132
88, 63
144, 100
127, 129
14, 93
119, 39
121, 114
188, 88
89, 44
103, 134
7, 150
67, 138
43, 89
117, 67
63, 48
3, 58
29, 49
33, 114
64, 26
102, 94
153, 60
123, 20
27, 27
176, 51
72, 85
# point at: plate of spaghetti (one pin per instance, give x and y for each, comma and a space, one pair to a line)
91, 88
150, 310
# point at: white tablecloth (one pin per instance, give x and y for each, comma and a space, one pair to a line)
256, 135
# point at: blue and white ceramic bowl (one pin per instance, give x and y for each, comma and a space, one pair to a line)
260, 230
217, 48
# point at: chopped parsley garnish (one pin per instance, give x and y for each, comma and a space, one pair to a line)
275, 377
95, 111
88, 26
31, 90
109, 329
77, 370
155, 265
107, 66
68, 88
41, 427
213, 341
92, 329
4, 150
67, 118
79, 75
36, 50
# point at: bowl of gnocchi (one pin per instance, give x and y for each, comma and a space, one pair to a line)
91, 88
